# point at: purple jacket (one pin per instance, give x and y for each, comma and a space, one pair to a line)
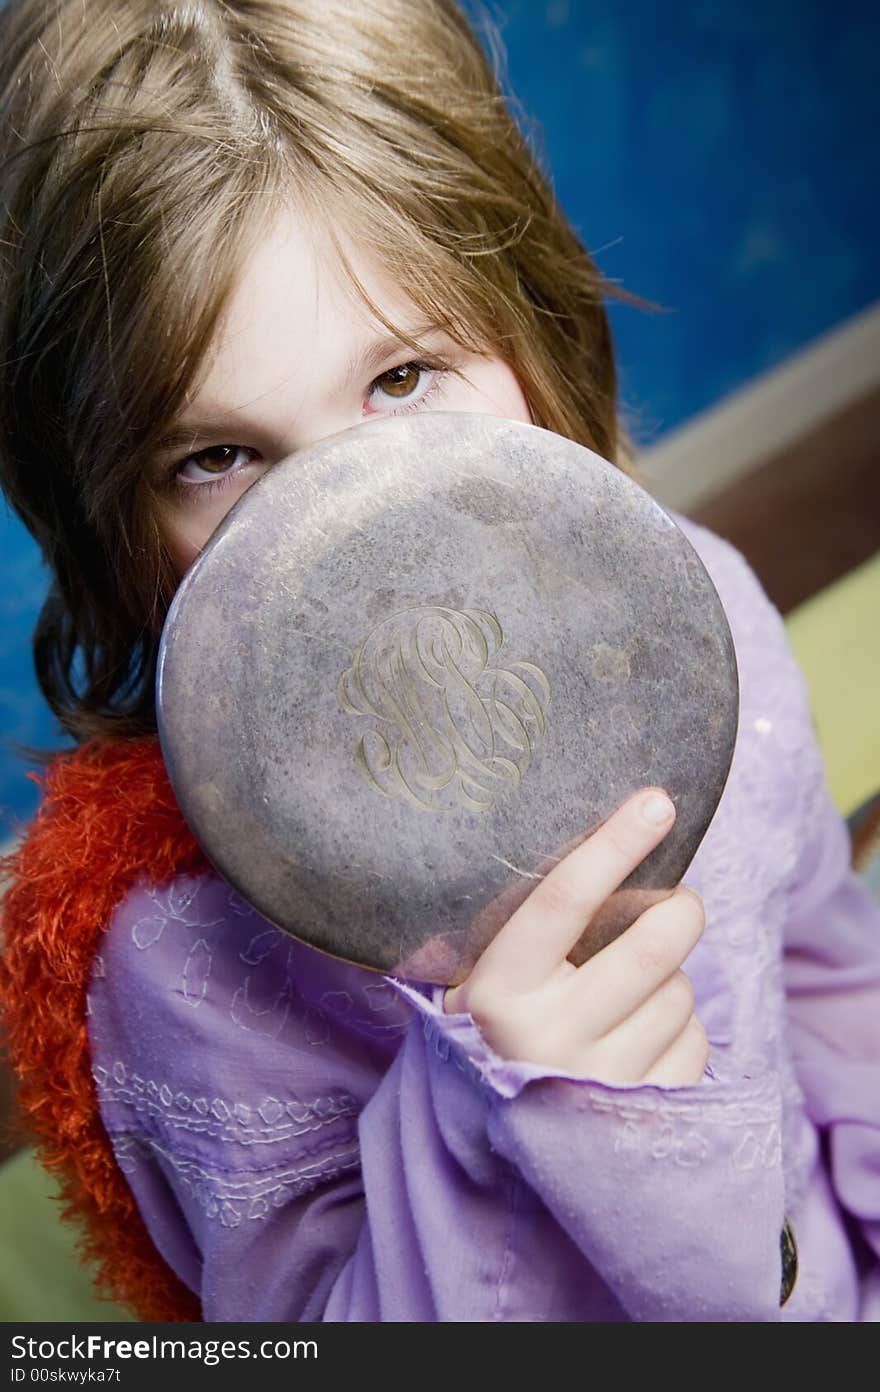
307, 1140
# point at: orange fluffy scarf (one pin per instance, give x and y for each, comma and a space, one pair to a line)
108, 818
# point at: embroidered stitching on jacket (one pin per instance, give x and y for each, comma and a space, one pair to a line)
269, 1121
235, 1199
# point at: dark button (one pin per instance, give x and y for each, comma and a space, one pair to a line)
788, 1247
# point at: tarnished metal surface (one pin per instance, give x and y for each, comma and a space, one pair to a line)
420, 662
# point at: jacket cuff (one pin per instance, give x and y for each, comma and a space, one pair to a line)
459, 1035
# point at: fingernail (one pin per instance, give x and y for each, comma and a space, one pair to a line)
657, 809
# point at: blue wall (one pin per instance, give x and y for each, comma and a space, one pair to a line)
718, 157
726, 156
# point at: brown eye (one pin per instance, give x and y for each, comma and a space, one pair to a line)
213, 463
401, 381
217, 459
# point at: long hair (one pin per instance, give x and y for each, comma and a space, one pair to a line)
143, 148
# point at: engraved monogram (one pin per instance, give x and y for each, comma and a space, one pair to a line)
448, 726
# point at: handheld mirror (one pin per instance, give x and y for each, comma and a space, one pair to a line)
420, 662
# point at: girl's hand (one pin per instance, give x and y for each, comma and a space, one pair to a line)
627, 1014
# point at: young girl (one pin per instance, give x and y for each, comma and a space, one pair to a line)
230, 228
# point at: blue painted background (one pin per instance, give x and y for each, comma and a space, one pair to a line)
718, 157
726, 155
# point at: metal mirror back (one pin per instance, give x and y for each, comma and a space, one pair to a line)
419, 663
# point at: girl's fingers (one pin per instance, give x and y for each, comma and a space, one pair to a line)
644, 1037
539, 936
626, 974
684, 1063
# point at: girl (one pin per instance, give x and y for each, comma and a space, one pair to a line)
232, 227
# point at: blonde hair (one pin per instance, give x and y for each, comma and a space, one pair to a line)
144, 145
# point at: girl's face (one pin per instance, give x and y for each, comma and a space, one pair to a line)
301, 357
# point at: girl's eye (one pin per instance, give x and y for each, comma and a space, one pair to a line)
213, 465
400, 381
410, 383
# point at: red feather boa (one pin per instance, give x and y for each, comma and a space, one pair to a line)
108, 818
